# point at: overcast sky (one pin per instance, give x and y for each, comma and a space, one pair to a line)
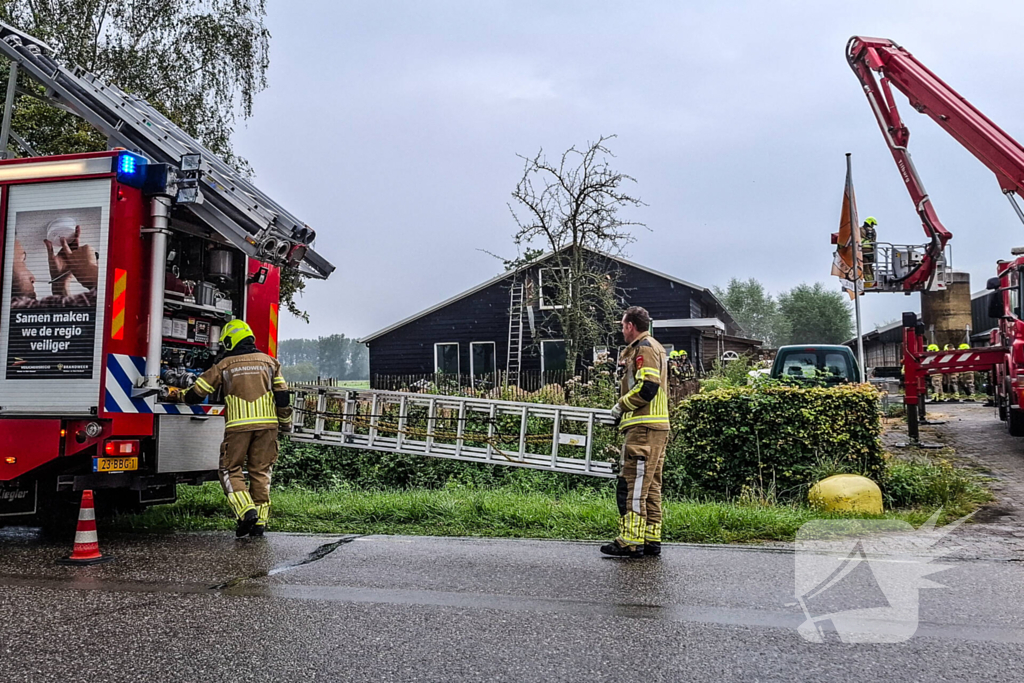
393, 128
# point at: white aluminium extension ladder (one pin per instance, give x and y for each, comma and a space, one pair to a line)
555, 438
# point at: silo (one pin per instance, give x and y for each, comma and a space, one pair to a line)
947, 314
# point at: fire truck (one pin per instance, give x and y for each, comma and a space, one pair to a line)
118, 269
908, 268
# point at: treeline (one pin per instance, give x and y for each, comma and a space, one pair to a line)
336, 356
806, 314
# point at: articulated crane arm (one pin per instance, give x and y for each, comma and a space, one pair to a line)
930, 95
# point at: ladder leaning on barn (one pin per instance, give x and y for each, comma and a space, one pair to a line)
555, 438
515, 334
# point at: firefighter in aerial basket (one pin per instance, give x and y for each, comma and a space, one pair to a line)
642, 416
257, 401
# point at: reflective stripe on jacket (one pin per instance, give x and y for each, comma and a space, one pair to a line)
644, 359
249, 381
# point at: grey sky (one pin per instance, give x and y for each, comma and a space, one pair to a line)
393, 128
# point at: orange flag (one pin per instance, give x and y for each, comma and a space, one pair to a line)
842, 261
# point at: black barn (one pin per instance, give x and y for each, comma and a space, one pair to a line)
469, 334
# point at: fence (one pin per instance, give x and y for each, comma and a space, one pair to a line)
528, 380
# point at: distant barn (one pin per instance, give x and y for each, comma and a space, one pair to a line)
502, 329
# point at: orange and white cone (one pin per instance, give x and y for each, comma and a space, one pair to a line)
87, 544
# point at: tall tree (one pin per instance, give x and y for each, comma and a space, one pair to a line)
200, 62
816, 315
755, 310
571, 207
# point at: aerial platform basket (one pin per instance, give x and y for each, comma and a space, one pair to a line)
893, 263
555, 438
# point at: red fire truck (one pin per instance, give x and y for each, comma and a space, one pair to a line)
118, 270
921, 267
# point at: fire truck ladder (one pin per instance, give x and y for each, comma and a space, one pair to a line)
236, 209
537, 436
515, 333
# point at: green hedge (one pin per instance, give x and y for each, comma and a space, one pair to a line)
774, 437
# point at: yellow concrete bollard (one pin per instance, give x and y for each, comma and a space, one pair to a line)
846, 493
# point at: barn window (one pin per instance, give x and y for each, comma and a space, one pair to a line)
446, 358
549, 280
552, 355
481, 358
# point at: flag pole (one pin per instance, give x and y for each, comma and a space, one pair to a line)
857, 284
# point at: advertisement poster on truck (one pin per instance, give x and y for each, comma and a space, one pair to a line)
55, 271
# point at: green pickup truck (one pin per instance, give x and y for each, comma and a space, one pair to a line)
816, 363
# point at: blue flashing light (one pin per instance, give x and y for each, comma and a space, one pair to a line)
131, 169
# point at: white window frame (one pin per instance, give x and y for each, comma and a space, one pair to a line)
599, 349
472, 369
542, 343
458, 359
540, 291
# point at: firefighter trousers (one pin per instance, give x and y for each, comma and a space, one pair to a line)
638, 490
255, 451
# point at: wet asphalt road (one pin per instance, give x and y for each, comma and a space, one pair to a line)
203, 607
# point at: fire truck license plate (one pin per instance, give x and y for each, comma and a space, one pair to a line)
114, 464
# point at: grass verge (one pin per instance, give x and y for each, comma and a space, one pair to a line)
500, 512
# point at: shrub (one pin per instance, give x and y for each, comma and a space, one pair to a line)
772, 436
923, 483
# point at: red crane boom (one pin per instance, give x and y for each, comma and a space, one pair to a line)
930, 95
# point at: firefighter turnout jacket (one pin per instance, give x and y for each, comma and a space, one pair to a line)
644, 384
249, 381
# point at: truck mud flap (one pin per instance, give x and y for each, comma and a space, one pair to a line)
19, 498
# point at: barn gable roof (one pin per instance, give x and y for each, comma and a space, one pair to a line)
508, 274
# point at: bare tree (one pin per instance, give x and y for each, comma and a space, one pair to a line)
572, 209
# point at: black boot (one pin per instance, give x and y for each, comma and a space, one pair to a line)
246, 523
258, 530
616, 550
652, 548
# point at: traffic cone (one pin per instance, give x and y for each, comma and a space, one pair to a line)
87, 545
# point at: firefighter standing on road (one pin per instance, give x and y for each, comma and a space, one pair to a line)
642, 414
936, 379
966, 379
257, 402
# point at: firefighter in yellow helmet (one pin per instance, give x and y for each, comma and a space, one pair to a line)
257, 401
642, 415
966, 379
868, 237
936, 379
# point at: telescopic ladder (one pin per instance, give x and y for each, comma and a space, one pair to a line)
230, 204
555, 438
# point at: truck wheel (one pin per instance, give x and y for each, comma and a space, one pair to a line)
1016, 422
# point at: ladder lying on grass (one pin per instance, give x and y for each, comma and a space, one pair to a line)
544, 437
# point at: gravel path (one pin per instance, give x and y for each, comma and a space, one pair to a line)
980, 440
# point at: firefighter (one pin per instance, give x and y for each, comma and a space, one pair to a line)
966, 379
949, 380
868, 237
642, 416
257, 402
936, 379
